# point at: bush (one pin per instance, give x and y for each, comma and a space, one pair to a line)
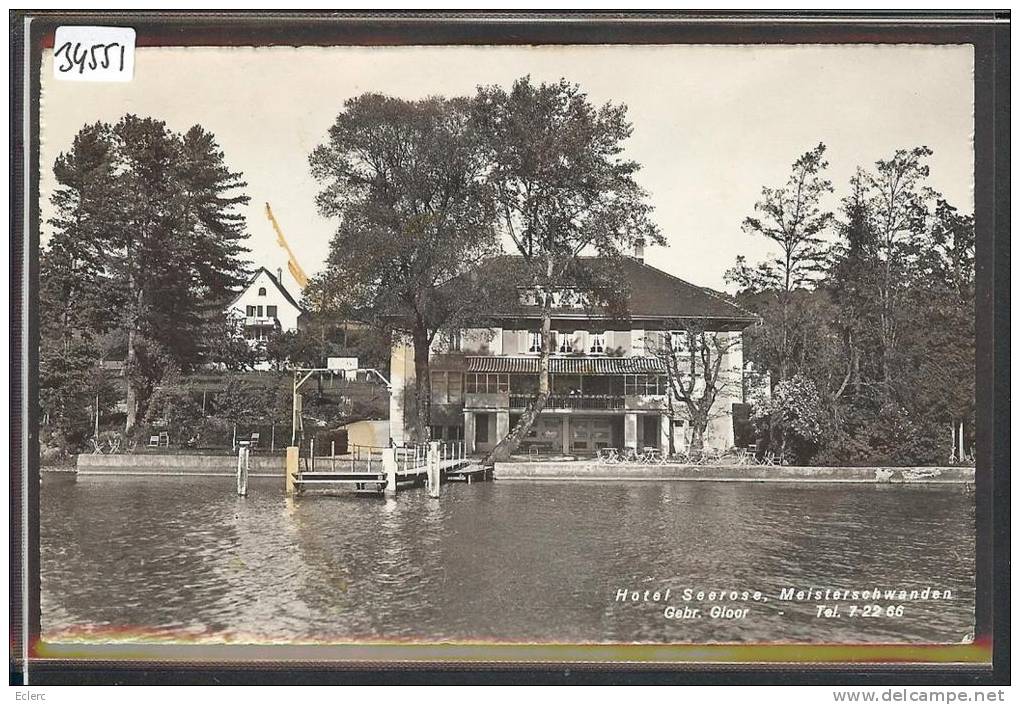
891, 438
792, 414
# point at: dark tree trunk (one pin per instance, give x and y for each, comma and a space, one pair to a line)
698, 426
131, 398
423, 386
509, 445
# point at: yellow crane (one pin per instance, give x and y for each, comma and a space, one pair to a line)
292, 264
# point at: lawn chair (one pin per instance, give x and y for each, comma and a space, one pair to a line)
630, 455
154, 441
114, 444
164, 439
254, 440
744, 457
97, 446
652, 456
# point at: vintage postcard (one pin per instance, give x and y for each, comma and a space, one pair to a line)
654, 352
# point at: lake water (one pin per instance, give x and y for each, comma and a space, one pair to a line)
500, 561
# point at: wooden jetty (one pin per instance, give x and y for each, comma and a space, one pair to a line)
378, 470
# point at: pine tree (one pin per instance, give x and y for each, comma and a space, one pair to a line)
146, 238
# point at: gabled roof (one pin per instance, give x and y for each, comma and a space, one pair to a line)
657, 293
275, 281
653, 293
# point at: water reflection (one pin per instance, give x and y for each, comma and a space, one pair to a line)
493, 561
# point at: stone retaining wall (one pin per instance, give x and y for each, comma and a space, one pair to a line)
590, 470
155, 464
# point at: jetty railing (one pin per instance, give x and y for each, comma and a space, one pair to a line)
369, 459
382, 468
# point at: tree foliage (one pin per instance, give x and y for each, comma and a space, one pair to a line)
146, 239
563, 189
791, 216
405, 180
884, 333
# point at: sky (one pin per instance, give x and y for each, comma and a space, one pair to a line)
712, 124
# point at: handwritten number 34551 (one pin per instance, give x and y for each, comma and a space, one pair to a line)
98, 55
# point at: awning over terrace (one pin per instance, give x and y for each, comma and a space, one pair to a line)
568, 365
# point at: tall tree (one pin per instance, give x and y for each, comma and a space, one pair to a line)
563, 189
897, 203
406, 181
883, 342
852, 279
178, 245
151, 215
935, 374
698, 370
73, 294
792, 217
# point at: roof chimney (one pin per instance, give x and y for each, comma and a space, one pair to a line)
279, 275
639, 249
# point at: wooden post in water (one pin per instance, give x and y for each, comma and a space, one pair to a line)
292, 468
243, 460
389, 463
311, 455
332, 455
433, 469
962, 448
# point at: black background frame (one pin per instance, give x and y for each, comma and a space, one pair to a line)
987, 31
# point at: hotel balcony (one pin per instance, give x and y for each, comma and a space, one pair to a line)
260, 321
580, 402
567, 402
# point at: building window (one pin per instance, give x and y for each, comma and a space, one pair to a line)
535, 341
438, 382
566, 344
249, 311
262, 291
271, 311
678, 340
643, 385
478, 383
597, 343
454, 387
447, 387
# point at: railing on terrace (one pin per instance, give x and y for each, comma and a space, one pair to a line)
584, 402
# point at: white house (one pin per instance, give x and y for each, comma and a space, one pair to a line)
265, 306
